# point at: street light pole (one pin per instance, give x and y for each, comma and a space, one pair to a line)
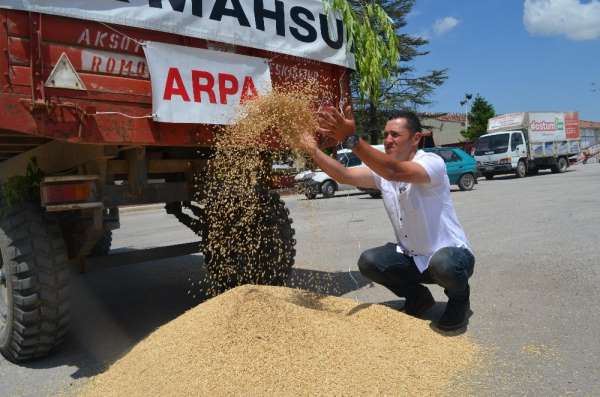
465, 103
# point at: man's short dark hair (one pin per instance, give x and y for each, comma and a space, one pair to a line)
412, 120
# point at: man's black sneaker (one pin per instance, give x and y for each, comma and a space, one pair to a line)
420, 302
455, 316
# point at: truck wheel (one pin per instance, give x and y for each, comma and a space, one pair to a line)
102, 247
328, 189
34, 306
273, 256
561, 165
466, 182
489, 177
521, 169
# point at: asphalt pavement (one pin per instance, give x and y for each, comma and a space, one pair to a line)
534, 292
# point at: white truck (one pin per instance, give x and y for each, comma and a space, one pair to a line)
523, 143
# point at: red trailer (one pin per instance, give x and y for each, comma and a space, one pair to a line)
76, 108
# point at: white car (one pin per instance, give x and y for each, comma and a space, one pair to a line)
317, 182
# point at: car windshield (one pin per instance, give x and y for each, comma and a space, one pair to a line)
447, 155
492, 143
348, 159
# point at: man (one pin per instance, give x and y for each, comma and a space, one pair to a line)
431, 246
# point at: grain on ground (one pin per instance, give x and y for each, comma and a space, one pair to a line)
278, 341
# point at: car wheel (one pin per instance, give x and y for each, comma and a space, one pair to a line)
466, 182
328, 189
521, 169
311, 195
489, 177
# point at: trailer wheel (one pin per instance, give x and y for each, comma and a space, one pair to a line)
273, 258
521, 169
102, 247
466, 182
34, 305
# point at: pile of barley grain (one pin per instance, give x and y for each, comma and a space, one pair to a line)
261, 341
244, 242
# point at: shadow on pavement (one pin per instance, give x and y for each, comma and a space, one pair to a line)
431, 315
337, 195
326, 283
513, 176
114, 309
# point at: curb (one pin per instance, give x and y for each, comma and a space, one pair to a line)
141, 208
161, 206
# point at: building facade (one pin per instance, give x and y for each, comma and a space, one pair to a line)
590, 133
445, 129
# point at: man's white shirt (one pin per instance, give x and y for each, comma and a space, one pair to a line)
422, 215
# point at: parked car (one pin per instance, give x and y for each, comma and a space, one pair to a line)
461, 167
313, 183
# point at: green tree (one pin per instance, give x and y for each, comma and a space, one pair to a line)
478, 117
400, 87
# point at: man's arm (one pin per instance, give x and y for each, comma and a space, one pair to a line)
388, 167
359, 176
340, 126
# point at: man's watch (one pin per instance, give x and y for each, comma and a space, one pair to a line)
350, 142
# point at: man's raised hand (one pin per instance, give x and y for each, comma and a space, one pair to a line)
335, 124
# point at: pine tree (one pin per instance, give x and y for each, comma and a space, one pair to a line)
480, 113
404, 89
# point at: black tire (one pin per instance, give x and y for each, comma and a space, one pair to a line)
34, 301
272, 259
466, 182
489, 177
521, 170
102, 247
561, 165
328, 189
532, 171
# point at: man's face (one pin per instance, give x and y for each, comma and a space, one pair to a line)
398, 141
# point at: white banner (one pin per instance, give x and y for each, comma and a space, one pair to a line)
546, 127
191, 85
506, 121
293, 27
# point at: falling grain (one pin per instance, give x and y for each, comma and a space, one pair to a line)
247, 234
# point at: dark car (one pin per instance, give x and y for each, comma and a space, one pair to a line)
461, 167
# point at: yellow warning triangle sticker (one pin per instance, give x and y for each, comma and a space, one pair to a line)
64, 75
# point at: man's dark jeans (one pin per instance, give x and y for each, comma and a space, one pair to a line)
449, 267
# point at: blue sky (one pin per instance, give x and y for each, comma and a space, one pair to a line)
532, 55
